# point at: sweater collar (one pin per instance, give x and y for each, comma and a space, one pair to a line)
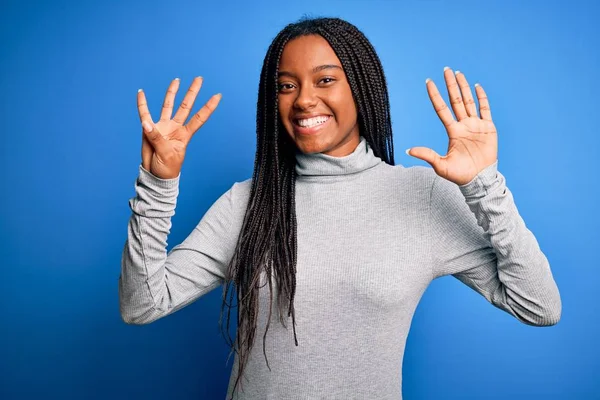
319, 164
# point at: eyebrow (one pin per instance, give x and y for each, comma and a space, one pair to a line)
315, 69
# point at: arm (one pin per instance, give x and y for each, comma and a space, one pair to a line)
152, 283
479, 237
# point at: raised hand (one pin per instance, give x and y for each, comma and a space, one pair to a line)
473, 141
164, 143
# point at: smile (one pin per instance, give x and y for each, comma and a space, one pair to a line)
307, 126
310, 122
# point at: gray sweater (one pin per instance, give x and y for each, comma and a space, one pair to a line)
371, 238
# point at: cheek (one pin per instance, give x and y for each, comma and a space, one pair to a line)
283, 110
352, 112
342, 103
345, 111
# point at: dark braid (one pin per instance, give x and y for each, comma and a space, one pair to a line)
267, 245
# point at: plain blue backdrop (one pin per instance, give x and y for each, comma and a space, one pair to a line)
70, 151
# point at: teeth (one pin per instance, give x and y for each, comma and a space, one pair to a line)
310, 122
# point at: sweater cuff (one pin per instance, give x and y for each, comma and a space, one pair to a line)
149, 180
483, 183
155, 197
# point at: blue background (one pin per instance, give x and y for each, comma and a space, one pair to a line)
71, 147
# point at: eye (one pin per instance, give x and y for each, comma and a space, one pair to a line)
327, 79
284, 87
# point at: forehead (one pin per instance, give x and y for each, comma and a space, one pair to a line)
307, 52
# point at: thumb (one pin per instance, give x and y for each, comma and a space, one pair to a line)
426, 154
154, 136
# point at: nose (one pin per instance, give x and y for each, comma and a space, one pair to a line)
306, 98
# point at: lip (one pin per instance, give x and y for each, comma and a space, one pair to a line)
301, 130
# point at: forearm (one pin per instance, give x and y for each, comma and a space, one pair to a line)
144, 254
155, 283
520, 281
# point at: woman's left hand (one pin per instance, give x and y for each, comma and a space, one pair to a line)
473, 141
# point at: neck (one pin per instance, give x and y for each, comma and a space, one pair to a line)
319, 164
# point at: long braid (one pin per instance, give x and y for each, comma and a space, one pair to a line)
267, 245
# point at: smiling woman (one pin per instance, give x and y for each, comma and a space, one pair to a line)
315, 101
346, 241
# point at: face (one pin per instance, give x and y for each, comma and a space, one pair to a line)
315, 101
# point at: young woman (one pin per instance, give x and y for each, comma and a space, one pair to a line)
342, 242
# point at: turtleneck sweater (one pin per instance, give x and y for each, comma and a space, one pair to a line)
371, 237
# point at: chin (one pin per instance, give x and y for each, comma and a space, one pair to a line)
312, 145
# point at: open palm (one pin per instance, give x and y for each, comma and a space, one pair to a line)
472, 139
164, 143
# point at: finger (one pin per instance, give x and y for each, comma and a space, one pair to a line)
203, 114
188, 101
426, 154
484, 105
167, 108
154, 137
439, 104
467, 95
146, 152
454, 94
144, 115
142, 106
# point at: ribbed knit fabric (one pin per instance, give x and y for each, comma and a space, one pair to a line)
371, 238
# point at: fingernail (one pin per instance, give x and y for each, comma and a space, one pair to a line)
139, 90
445, 68
147, 126
427, 80
477, 84
407, 151
176, 79
456, 72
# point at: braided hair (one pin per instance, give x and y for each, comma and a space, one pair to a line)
267, 243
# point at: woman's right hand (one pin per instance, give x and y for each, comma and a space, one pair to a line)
164, 143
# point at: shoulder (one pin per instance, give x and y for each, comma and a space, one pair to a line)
241, 188
238, 194
416, 179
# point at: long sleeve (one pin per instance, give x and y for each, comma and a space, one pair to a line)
152, 283
479, 237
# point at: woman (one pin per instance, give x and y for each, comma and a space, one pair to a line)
345, 241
